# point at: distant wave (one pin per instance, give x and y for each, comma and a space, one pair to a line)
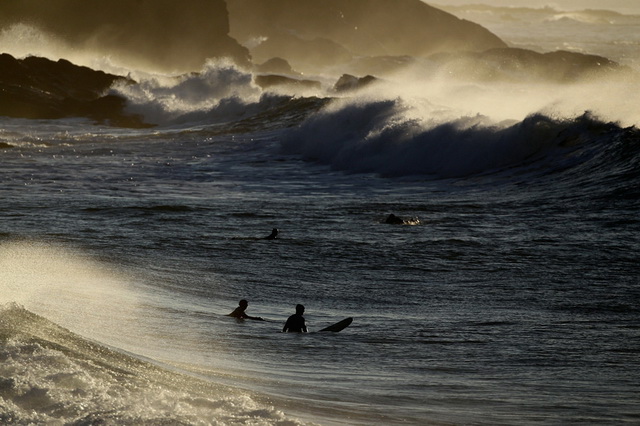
221, 93
50, 375
382, 137
38, 88
585, 17
597, 16
190, 96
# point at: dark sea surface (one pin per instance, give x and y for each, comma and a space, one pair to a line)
511, 297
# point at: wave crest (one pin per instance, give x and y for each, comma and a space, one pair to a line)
389, 138
188, 97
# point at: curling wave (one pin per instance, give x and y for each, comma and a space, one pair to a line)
386, 138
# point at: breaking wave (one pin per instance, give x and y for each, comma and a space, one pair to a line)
48, 375
388, 138
187, 97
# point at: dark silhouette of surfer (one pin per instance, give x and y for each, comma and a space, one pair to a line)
239, 312
392, 219
295, 323
273, 235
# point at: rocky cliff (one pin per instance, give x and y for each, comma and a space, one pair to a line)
312, 34
165, 34
39, 88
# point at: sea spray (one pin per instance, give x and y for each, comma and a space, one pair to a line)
50, 375
436, 125
68, 287
165, 99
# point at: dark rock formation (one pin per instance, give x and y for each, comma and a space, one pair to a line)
271, 81
348, 82
310, 56
162, 34
310, 34
520, 65
275, 66
39, 88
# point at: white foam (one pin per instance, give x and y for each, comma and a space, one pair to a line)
162, 99
448, 128
59, 379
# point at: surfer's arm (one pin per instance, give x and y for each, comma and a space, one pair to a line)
254, 318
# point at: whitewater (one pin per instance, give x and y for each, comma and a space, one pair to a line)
509, 294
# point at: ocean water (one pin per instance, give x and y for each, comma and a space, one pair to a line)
510, 296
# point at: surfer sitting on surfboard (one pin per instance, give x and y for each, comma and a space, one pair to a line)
239, 312
295, 323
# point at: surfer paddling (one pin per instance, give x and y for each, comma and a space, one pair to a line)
295, 323
273, 235
392, 219
239, 312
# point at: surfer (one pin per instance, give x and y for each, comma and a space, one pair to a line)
273, 235
295, 323
239, 312
392, 219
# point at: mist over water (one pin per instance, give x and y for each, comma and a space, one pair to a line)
592, 29
192, 97
147, 34
69, 289
95, 40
